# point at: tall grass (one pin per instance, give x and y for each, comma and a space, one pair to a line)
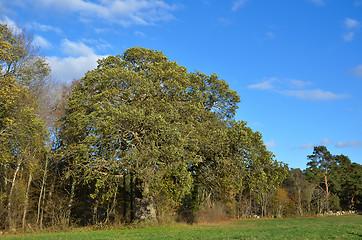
336, 227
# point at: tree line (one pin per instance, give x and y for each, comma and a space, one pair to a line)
141, 138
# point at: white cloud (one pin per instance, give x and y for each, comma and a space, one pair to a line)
224, 21
8, 22
5, 9
348, 36
353, 26
325, 142
318, 2
41, 42
270, 35
351, 143
357, 3
286, 87
357, 71
102, 30
351, 23
238, 4
99, 44
293, 83
76, 48
11, 24
45, 28
70, 68
82, 59
267, 84
273, 84
206, 3
140, 34
270, 144
123, 12
313, 94
307, 146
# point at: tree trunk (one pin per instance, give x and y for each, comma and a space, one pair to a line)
327, 188
264, 203
250, 204
239, 204
300, 209
10, 219
95, 212
113, 205
132, 185
42, 191
42, 211
50, 194
144, 206
26, 205
70, 203
124, 198
6, 177
351, 207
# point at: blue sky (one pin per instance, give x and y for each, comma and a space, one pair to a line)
297, 65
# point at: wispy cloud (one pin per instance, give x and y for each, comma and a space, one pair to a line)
324, 142
37, 40
357, 3
352, 26
99, 44
295, 88
41, 42
238, 4
266, 84
348, 36
293, 83
6, 9
270, 35
82, 58
357, 71
307, 146
351, 23
318, 2
206, 3
314, 94
351, 143
340, 144
140, 34
10, 23
45, 28
270, 144
224, 21
76, 48
123, 12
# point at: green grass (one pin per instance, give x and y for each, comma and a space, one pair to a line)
341, 227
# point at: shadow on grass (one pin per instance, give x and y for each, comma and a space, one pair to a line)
355, 234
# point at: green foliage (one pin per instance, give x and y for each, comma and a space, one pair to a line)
113, 124
22, 134
320, 164
141, 114
140, 135
341, 177
347, 182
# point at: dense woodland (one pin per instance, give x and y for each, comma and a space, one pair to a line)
141, 138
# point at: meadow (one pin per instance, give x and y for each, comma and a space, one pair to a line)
335, 227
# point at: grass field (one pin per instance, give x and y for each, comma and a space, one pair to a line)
341, 227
